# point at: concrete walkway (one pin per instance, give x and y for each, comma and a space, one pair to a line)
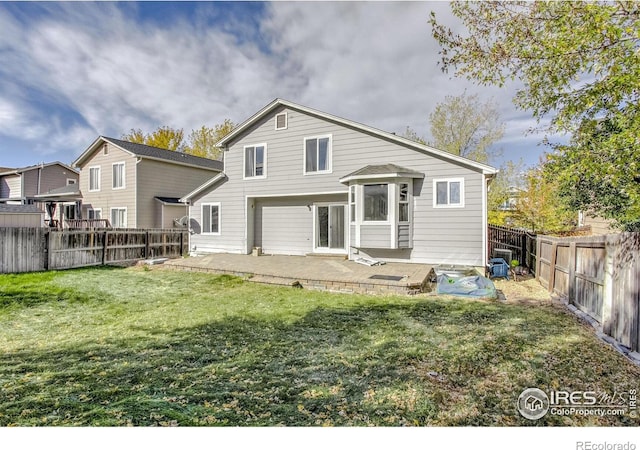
312, 272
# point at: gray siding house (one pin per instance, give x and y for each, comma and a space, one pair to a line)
297, 181
138, 186
23, 185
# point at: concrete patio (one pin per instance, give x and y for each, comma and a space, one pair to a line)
313, 272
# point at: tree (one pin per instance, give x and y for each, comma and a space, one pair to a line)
164, 137
410, 133
501, 190
465, 126
578, 63
202, 141
540, 208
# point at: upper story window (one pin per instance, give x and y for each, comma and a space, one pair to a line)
317, 154
71, 181
255, 161
118, 175
448, 193
94, 178
281, 121
376, 201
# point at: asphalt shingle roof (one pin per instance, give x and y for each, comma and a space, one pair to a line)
383, 169
23, 209
168, 155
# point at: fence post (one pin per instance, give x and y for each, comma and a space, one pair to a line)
608, 291
538, 263
181, 243
104, 248
573, 255
47, 246
552, 266
146, 245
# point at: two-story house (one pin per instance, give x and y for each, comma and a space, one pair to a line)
298, 181
21, 186
138, 186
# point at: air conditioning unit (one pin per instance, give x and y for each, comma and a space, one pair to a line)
503, 253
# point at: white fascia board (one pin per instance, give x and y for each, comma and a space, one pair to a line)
202, 187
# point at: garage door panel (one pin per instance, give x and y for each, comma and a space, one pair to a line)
284, 227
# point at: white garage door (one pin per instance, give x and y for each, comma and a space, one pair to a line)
284, 227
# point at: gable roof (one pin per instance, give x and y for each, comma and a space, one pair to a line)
278, 102
155, 153
21, 170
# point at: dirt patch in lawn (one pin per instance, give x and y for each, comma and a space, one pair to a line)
524, 291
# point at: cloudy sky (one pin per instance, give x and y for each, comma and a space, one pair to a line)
72, 71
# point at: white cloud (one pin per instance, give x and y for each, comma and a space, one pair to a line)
371, 62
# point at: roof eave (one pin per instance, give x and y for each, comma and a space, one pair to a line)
219, 177
381, 176
390, 136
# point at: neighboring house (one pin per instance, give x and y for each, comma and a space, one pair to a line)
598, 224
298, 181
20, 216
138, 186
21, 186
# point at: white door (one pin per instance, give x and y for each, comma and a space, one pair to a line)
330, 225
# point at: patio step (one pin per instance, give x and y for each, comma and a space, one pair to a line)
277, 281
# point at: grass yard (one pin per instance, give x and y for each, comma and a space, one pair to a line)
155, 347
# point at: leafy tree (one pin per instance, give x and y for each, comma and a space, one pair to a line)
540, 208
202, 141
164, 137
579, 65
410, 133
501, 190
465, 126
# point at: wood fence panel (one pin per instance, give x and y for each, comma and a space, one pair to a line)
22, 250
36, 249
600, 275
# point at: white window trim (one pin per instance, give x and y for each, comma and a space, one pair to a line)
94, 213
448, 180
408, 202
286, 121
389, 205
218, 204
244, 162
329, 155
126, 216
124, 175
99, 178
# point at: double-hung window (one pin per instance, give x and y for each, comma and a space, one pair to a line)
118, 175
94, 214
211, 218
376, 201
94, 179
403, 202
119, 217
448, 193
255, 161
317, 154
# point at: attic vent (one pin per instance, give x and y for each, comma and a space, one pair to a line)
105, 149
281, 121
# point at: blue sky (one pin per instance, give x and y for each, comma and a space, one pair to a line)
72, 71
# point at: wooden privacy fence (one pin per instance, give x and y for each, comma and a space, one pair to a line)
521, 243
600, 275
35, 249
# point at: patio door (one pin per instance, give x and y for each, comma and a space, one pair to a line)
330, 221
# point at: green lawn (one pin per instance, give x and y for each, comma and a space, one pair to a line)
155, 347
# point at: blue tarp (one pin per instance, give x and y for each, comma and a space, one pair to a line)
470, 286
